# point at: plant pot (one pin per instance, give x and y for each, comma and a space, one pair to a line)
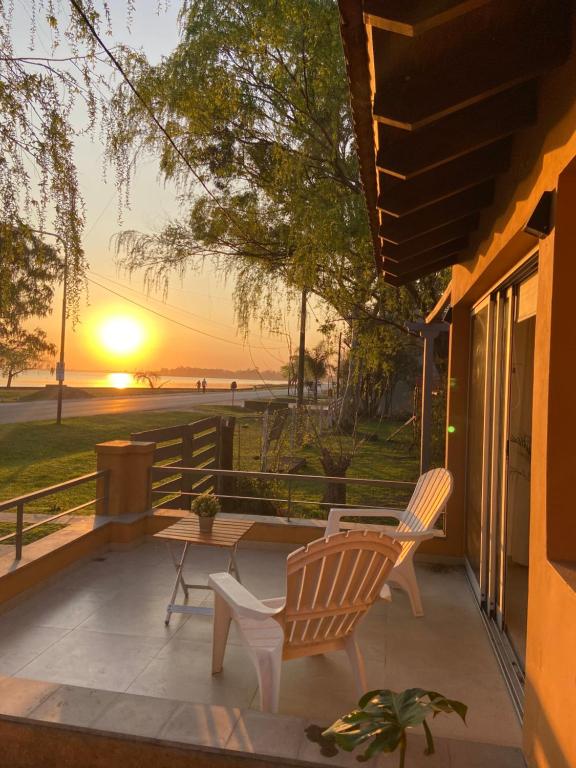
206, 524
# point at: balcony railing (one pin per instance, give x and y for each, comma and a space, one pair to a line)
19, 503
402, 490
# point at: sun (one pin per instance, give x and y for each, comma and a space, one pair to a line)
121, 335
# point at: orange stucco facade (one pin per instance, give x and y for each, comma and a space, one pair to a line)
544, 161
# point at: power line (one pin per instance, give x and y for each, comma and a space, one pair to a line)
311, 308
80, 11
158, 301
168, 318
268, 387
181, 309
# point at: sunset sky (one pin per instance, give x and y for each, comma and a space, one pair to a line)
201, 301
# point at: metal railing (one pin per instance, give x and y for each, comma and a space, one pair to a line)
20, 501
159, 472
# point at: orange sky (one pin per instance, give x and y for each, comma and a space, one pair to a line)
201, 301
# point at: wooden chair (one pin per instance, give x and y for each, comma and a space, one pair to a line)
416, 524
330, 585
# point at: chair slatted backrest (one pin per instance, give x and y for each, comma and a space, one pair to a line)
430, 496
332, 582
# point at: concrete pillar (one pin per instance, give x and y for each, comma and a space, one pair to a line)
129, 488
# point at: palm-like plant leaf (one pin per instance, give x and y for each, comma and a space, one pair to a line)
383, 717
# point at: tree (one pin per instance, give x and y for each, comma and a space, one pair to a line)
264, 123
41, 99
316, 364
29, 269
21, 350
289, 371
152, 378
267, 157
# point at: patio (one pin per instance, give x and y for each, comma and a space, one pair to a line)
91, 650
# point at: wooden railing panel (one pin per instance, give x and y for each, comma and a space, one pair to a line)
161, 435
168, 451
195, 445
201, 441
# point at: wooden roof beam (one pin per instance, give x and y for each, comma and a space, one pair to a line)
399, 230
399, 198
423, 269
430, 240
414, 17
405, 154
439, 254
421, 80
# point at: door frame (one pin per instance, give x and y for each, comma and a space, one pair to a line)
490, 589
477, 585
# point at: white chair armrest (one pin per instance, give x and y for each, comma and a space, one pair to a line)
337, 513
431, 533
240, 600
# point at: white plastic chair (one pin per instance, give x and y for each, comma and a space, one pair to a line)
330, 585
416, 524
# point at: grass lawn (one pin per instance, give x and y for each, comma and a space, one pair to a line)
39, 454
12, 395
30, 536
36, 455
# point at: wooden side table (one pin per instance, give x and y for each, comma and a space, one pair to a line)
225, 534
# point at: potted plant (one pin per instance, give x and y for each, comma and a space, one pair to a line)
206, 506
381, 723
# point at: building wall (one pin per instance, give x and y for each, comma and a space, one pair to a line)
550, 706
543, 161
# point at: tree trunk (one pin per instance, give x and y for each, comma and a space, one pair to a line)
335, 466
352, 388
9, 379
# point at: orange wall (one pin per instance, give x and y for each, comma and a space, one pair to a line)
550, 707
541, 157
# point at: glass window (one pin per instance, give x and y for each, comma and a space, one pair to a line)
475, 448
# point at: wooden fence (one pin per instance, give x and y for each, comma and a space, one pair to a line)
204, 444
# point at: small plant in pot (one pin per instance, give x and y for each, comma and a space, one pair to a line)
206, 506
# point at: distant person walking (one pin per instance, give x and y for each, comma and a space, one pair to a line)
198, 385
203, 385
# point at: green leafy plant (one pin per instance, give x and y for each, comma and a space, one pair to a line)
257, 488
206, 505
382, 720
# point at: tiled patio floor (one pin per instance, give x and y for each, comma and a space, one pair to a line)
101, 626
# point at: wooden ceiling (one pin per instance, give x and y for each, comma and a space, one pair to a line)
439, 88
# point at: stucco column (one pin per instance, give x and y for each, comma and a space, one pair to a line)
128, 463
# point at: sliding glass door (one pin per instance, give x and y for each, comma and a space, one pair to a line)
477, 414
516, 533
499, 442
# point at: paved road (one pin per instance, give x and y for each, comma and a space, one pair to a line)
45, 410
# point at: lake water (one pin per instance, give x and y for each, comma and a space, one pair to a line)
121, 380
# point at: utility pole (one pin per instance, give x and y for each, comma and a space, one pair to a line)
429, 332
60, 366
302, 350
338, 365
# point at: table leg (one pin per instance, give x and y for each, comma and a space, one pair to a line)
233, 565
178, 567
179, 580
